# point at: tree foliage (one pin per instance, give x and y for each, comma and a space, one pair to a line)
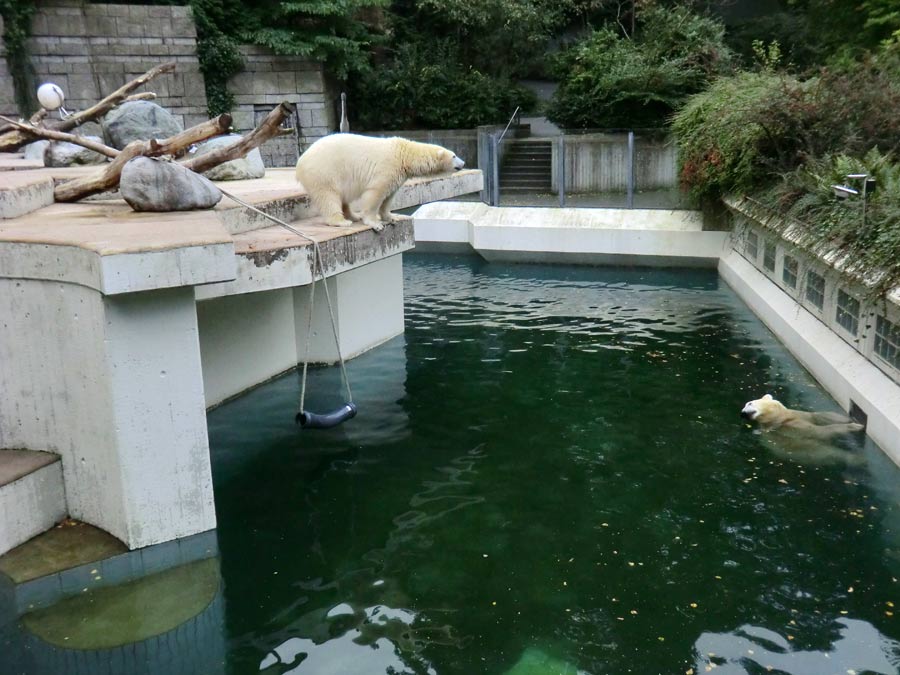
745, 131
424, 86
612, 80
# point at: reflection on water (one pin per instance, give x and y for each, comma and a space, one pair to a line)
375, 639
549, 475
857, 648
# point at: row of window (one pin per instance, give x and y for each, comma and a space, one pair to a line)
847, 307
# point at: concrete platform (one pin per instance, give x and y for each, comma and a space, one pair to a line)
653, 237
124, 327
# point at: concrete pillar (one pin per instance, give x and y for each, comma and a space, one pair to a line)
244, 340
113, 385
368, 310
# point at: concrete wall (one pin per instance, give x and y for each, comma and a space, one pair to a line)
464, 142
235, 326
267, 80
651, 237
91, 50
599, 163
94, 388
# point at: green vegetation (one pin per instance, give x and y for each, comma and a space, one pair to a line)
614, 80
16, 28
785, 140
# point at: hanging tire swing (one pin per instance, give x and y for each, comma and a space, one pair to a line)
305, 418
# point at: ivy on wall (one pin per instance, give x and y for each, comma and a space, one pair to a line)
16, 29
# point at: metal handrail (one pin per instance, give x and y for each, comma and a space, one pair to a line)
514, 115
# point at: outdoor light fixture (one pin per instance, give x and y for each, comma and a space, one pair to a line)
867, 187
843, 191
51, 97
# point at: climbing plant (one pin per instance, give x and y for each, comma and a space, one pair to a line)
16, 29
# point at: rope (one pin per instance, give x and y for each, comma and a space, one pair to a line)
317, 261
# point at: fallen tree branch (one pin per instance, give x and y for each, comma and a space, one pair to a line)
267, 129
16, 138
108, 177
53, 135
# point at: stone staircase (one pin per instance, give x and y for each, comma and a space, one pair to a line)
526, 166
32, 496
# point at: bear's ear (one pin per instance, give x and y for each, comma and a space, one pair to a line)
767, 397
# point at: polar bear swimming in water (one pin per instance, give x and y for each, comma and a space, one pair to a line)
804, 436
341, 169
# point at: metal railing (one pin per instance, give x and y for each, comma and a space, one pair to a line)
591, 176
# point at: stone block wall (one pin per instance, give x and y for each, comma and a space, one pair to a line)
92, 50
267, 80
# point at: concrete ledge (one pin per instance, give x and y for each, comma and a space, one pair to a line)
24, 192
32, 496
840, 369
579, 236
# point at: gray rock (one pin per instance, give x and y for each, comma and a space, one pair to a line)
250, 166
157, 185
138, 121
36, 150
62, 153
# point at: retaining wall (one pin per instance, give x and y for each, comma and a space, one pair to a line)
599, 163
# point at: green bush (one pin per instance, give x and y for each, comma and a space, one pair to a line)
609, 80
745, 131
870, 246
426, 86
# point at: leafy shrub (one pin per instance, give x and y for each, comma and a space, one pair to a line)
745, 131
613, 81
425, 86
870, 245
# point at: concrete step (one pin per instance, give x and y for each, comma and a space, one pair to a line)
32, 496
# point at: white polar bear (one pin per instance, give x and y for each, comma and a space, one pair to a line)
804, 436
341, 169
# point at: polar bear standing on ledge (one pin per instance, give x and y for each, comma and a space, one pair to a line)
341, 169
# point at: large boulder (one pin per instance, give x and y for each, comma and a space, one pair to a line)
35, 150
63, 153
149, 184
138, 121
243, 168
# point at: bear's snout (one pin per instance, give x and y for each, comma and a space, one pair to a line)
749, 412
458, 163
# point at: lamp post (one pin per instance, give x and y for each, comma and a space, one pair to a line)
867, 187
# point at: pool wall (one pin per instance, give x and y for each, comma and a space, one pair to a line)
649, 237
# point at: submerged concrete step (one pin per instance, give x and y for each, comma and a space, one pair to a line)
32, 496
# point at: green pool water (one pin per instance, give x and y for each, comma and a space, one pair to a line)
549, 475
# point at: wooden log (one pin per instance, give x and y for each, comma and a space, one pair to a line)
16, 138
267, 129
53, 135
108, 177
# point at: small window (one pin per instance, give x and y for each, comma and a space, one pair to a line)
815, 289
887, 341
751, 245
847, 314
769, 256
789, 271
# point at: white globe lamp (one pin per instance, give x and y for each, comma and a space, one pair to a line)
50, 96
